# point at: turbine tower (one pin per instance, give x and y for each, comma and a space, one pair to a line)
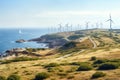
97, 25
60, 28
92, 26
101, 25
67, 27
87, 25
111, 21
71, 27
78, 27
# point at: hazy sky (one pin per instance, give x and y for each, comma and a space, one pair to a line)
46, 13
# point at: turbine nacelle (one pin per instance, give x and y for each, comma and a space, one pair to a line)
111, 21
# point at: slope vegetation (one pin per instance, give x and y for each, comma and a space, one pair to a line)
96, 56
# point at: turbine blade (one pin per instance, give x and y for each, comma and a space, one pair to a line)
111, 20
107, 20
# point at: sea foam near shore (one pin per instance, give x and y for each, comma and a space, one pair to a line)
9, 36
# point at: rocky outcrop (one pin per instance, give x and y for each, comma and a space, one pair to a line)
53, 41
15, 51
20, 41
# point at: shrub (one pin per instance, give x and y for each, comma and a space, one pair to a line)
100, 61
41, 76
69, 45
51, 37
18, 59
2, 78
98, 74
23, 59
84, 67
93, 58
65, 63
115, 61
70, 77
74, 37
108, 66
30, 50
76, 63
63, 74
55, 69
79, 63
73, 69
52, 65
13, 77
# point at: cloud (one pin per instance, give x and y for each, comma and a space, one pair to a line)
49, 18
76, 13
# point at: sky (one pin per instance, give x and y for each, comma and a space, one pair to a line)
47, 13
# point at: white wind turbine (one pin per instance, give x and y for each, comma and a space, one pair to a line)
111, 21
87, 25
67, 27
60, 28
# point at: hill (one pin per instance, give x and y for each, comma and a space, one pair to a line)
81, 56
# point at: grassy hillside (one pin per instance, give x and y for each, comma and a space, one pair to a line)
75, 60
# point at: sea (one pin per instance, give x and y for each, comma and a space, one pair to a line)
9, 36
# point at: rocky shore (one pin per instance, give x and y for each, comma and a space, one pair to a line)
14, 51
53, 41
20, 41
20, 51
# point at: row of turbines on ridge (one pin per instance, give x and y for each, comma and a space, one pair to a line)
69, 27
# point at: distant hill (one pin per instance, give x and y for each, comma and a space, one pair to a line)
101, 36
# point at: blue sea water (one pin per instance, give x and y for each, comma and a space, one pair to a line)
9, 36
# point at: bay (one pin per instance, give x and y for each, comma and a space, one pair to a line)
9, 36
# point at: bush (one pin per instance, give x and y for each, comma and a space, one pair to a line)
84, 67
41, 76
63, 74
93, 58
52, 65
74, 37
18, 59
70, 77
51, 37
76, 63
79, 63
13, 77
115, 61
98, 74
100, 61
2, 78
73, 69
69, 45
108, 66
54, 69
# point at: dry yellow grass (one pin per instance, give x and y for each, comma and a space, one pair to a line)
28, 69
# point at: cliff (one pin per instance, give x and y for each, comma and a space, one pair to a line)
53, 40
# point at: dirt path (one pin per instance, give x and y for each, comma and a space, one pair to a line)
94, 44
65, 56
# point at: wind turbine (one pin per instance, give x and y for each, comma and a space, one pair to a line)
111, 21
71, 27
87, 25
97, 25
101, 25
67, 26
92, 26
60, 28
79, 27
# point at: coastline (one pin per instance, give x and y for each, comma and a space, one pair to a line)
9, 36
